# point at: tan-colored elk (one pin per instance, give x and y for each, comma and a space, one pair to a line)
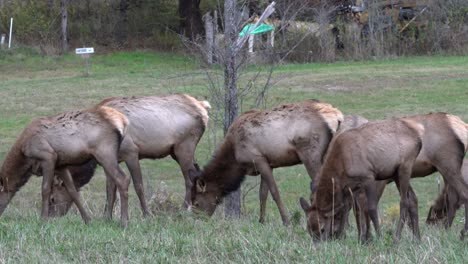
259, 141
48, 145
159, 126
444, 143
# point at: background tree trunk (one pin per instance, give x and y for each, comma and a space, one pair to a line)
50, 6
233, 201
191, 24
121, 31
63, 7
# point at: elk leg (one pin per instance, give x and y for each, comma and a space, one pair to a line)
465, 230
451, 171
263, 198
115, 173
184, 155
402, 181
452, 200
111, 192
75, 195
358, 215
312, 162
342, 222
133, 166
267, 175
48, 171
372, 206
413, 213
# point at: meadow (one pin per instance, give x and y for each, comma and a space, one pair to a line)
33, 86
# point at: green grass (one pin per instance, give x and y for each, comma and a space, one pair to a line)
32, 86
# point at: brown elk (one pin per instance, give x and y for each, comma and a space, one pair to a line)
444, 143
60, 200
159, 126
259, 141
48, 145
448, 201
358, 157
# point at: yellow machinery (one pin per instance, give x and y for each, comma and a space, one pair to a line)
400, 13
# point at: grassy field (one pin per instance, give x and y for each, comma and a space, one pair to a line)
32, 86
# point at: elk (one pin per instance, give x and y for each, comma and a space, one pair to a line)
444, 143
159, 126
447, 201
47, 146
259, 141
60, 200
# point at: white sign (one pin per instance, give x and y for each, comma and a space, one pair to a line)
84, 50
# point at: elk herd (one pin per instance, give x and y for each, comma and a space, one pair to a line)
349, 159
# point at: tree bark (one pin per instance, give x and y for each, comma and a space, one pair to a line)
121, 31
63, 7
209, 38
191, 24
50, 6
232, 201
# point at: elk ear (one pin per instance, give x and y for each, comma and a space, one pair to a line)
58, 182
304, 204
312, 186
201, 185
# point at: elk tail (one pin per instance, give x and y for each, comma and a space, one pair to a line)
117, 119
206, 104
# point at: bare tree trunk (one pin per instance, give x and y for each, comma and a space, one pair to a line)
233, 201
50, 6
63, 7
121, 28
190, 18
209, 37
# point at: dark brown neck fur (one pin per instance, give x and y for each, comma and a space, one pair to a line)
223, 173
330, 183
82, 174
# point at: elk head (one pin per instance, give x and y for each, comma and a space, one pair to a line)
321, 224
436, 215
60, 200
205, 197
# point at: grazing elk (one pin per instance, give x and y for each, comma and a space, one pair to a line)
259, 141
358, 157
159, 126
48, 145
60, 200
444, 143
448, 201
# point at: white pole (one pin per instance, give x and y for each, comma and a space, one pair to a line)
251, 42
11, 28
272, 38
